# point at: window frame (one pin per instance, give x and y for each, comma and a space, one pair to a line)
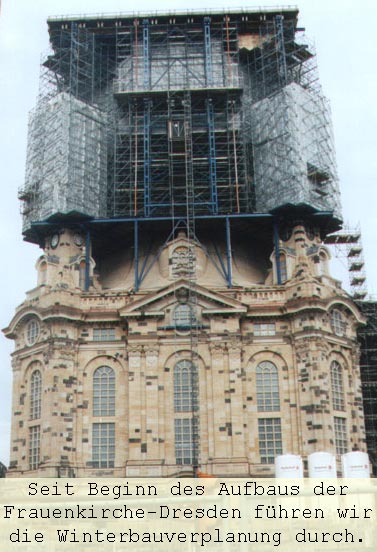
104, 334
34, 451
35, 395
183, 316
270, 439
261, 329
103, 444
184, 372
32, 331
104, 392
184, 442
337, 322
337, 386
283, 267
186, 411
267, 387
340, 435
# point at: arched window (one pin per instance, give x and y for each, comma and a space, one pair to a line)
183, 316
185, 403
104, 391
283, 268
337, 323
184, 374
32, 331
267, 384
337, 387
35, 395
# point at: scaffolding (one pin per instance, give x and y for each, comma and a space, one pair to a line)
261, 136
367, 337
289, 122
159, 68
176, 56
66, 160
347, 245
66, 164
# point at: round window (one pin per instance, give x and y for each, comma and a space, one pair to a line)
32, 331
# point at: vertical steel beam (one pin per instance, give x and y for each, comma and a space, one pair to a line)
87, 261
208, 52
212, 156
146, 62
228, 252
277, 252
147, 158
136, 254
280, 50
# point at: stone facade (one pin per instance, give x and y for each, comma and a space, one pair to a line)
97, 391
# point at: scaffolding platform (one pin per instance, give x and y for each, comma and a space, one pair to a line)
347, 245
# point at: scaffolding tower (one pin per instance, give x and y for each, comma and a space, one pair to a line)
288, 121
367, 336
261, 134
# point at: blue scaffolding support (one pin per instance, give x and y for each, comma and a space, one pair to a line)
139, 275
208, 51
136, 255
280, 50
223, 269
228, 253
147, 158
146, 63
212, 156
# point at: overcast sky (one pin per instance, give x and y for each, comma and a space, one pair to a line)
344, 34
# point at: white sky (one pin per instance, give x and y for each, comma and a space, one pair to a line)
344, 33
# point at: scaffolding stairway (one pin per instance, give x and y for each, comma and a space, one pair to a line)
347, 244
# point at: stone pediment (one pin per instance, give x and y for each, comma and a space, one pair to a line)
211, 302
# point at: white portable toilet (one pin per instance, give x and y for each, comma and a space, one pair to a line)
355, 464
322, 465
289, 465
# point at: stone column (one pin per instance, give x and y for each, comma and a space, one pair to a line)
60, 431
150, 444
235, 429
219, 412
314, 395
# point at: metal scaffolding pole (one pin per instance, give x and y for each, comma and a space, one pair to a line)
212, 156
228, 252
146, 61
208, 51
147, 155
